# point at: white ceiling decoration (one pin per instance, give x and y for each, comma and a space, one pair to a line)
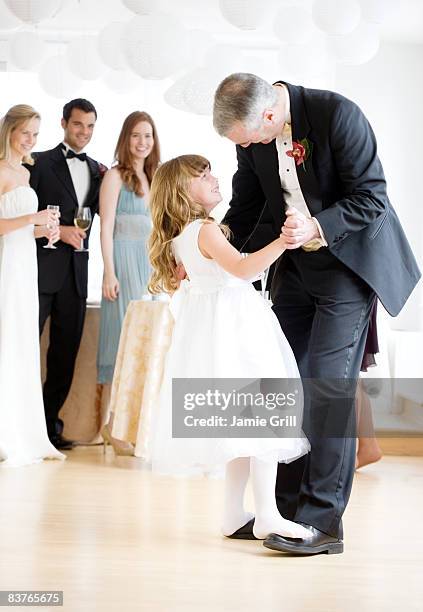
182, 39
84, 59
243, 14
141, 7
110, 47
56, 79
27, 49
336, 17
155, 46
34, 11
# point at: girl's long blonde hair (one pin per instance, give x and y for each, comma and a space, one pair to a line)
15, 116
172, 209
123, 155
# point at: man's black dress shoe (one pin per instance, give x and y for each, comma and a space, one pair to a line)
61, 443
245, 532
319, 542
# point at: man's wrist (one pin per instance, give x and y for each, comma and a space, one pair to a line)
319, 232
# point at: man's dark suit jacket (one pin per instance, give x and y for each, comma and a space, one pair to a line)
51, 179
344, 187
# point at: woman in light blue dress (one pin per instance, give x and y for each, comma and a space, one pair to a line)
125, 229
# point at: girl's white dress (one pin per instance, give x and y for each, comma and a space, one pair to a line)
223, 329
23, 431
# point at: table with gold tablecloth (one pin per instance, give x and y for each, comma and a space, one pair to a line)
144, 341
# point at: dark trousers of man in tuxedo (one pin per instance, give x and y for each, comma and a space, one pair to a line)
323, 309
67, 313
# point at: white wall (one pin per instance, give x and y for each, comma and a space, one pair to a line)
389, 89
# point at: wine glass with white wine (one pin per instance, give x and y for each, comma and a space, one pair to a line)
83, 221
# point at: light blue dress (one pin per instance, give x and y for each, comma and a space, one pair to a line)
132, 267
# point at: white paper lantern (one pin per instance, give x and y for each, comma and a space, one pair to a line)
84, 59
122, 81
243, 14
141, 7
199, 90
8, 21
336, 16
34, 11
155, 46
174, 95
375, 11
57, 80
293, 24
110, 45
27, 50
358, 47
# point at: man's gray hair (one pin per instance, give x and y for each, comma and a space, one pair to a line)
241, 97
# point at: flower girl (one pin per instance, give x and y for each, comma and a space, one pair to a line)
223, 328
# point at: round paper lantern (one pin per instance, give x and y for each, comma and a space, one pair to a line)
174, 95
155, 46
199, 90
293, 24
84, 59
110, 47
56, 79
336, 16
375, 11
141, 7
122, 81
8, 21
34, 11
27, 50
358, 47
243, 14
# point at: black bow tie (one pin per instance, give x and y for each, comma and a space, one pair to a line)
81, 156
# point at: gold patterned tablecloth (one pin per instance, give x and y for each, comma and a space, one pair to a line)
144, 341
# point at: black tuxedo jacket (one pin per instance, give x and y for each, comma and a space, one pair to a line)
344, 187
51, 179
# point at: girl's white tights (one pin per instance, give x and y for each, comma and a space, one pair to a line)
267, 519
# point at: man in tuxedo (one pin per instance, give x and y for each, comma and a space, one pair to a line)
307, 163
67, 177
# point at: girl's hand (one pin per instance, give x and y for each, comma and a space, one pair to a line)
110, 287
45, 217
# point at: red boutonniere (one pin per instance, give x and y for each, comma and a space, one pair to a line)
301, 151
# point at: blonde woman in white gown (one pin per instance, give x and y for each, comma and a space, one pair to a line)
23, 432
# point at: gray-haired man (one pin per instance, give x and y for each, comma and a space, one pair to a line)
313, 152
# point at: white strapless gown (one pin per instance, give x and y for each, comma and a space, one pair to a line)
223, 328
23, 432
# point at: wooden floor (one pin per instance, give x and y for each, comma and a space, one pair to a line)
115, 539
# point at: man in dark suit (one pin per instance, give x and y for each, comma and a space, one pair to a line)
67, 177
307, 163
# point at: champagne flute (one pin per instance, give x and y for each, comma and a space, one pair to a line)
55, 209
83, 221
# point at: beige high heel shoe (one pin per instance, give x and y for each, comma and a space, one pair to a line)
119, 446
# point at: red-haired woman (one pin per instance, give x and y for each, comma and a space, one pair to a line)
125, 229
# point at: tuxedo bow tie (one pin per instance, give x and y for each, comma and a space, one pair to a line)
81, 156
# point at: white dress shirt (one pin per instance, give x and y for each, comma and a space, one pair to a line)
80, 174
288, 172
